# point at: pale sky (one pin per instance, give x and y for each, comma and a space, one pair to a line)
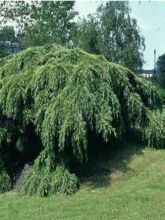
150, 17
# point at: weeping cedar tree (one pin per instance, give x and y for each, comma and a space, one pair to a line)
113, 33
53, 100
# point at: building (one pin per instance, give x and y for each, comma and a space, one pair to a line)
148, 73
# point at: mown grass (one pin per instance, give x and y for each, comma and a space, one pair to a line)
135, 190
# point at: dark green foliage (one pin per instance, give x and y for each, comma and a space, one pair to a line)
60, 97
87, 35
7, 33
162, 94
161, 70
5, 182
3, 53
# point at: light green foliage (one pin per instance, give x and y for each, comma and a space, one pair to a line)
5, 182
155, 132
49, 176
65, 94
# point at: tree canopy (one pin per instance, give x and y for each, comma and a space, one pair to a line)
114, 33
54, 100
160, 71
111, 31
7, 33
53, 23
16, 13
40, 22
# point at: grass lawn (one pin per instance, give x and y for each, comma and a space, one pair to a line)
134, 191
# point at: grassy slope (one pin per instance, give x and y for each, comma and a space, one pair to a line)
135, 191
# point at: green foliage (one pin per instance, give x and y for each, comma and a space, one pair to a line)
162, 94
17, 13
114, 33
41, 22
65, 95
87, 35
48, 177
7, 33
53, 23
161, 70
3, 53
111, 31
5, 182
66, 92
155, 132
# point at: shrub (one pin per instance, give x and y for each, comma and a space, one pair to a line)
5, 182
155, 132
49, 177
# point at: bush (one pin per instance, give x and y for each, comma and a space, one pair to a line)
5, 182
49, 177
155, 132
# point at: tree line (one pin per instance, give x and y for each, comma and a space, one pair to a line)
110, 31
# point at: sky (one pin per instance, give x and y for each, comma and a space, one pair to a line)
150, 17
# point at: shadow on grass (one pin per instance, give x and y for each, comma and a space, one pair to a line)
108, 166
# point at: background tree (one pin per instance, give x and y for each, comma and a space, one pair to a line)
41, 21
16, 14
15, 18
113, 33
53, 23
161, 70
87, 35
7, 33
